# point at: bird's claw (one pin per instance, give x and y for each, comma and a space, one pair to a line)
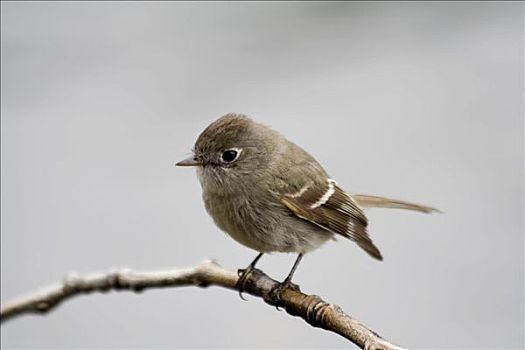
276, 292
243, 275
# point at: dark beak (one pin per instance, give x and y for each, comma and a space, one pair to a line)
190, 161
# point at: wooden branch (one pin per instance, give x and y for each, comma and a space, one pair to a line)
311, 308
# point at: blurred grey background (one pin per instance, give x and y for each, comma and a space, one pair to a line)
420, 101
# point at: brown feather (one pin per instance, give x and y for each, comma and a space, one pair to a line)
367, 201
339, 213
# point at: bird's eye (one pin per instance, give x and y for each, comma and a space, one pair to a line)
230, 155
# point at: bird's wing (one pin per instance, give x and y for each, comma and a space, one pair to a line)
319, 200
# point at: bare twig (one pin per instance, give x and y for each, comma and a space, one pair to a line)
311, 308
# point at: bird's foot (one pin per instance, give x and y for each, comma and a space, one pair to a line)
243, 277
276, 292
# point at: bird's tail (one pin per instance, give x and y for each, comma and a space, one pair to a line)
366, 201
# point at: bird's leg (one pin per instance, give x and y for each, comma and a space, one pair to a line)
244, 273
287, 283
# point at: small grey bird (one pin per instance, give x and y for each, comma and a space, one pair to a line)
270, 195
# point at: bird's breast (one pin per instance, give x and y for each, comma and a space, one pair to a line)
241, 218
262, 223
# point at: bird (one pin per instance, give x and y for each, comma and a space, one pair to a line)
270, 195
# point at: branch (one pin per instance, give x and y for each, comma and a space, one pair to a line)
311, 308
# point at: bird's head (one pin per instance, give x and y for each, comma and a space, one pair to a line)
231, 147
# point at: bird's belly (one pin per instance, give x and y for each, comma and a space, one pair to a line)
264, 227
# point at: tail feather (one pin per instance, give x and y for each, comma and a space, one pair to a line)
366, 201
